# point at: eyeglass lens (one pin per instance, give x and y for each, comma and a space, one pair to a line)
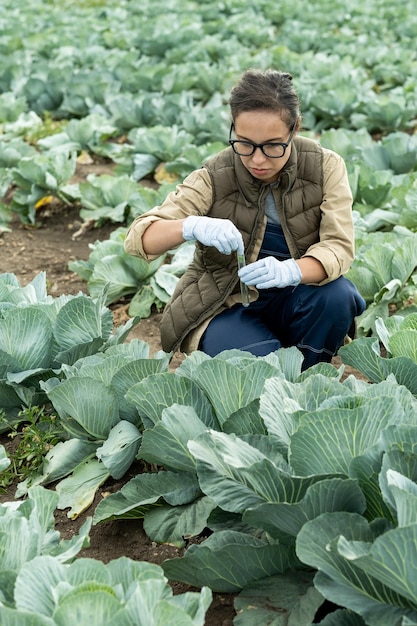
273, 150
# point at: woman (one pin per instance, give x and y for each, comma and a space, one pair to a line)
284, 202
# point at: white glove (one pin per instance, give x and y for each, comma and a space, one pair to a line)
269, 272
212, 231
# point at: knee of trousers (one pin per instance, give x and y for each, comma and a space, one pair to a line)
337, 300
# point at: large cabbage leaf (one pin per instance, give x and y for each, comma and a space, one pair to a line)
361, 567
124, 591
218, 561
40, 334
27, 531
364, 354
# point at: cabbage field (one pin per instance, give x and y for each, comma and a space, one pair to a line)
292, 493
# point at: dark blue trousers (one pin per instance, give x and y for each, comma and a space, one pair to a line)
315, 319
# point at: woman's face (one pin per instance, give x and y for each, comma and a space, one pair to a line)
263, 127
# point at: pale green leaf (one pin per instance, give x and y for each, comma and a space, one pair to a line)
153, 395
384, 561
337, 435
12, 617
238, 476
120, 448
128, 376
142, 302
166, 443
400, 455
35, 584
83, 570
88, 604
123, 570
58, 462
326, 496
282, 398
404, 493
4, 459
174, 525
26, 337
144, 599
404, 344
364, 355
19, 543
193, 604
246, 420
230, 388
89, 409
151, 603
82, 320
78, 490
409, 322
146, 489
366, 469
359, 569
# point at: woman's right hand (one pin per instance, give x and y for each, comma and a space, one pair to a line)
212, 231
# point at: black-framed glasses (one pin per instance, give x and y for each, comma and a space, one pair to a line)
271, 149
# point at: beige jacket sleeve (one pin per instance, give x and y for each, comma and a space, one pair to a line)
192, 197
336, 249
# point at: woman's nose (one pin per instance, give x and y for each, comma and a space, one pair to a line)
258, 156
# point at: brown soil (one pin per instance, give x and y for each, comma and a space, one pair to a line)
58, 239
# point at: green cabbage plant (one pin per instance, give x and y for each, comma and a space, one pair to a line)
40, 333
398, 336
253, 450
42, 582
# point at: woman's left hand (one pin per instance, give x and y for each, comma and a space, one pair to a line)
269, 272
